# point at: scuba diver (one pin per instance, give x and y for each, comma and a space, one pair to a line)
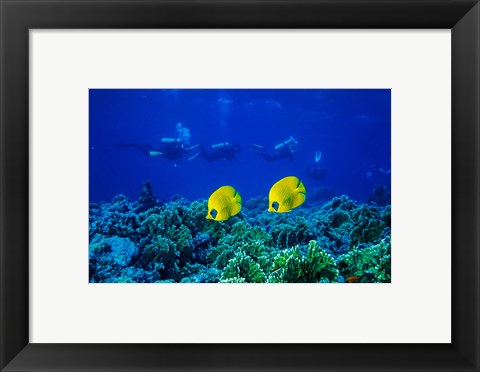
218, 151
374, 170
170, 148
315, 171
283, 150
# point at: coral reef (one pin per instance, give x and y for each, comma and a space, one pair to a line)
379, 196
147, 199
342, 224
370, 264
242, 269
148, 241
313, 267
109, 256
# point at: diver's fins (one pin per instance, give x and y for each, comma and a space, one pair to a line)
318, 156
193, 147
256, 148
194, 156
155, 153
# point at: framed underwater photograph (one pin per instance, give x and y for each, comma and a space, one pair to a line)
238, 188
222, 195
188, 186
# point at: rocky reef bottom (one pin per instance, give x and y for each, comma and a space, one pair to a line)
147, 241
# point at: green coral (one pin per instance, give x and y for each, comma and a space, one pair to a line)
233, 280
342, 224
367, 226
387, 215
161, 256
168, 240
196, 220
293, 231
157, 220
315, 266
243, 267
252, 240
370, 264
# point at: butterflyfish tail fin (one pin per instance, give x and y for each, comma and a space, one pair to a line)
299, 199
236, 208
301, 187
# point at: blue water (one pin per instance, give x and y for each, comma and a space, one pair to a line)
351, 127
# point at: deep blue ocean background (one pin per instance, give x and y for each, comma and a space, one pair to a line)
148, 214
351, 127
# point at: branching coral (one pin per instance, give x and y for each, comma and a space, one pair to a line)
161, 256
169, 242
370, 264
167, 221
342, 224
367, 225
233, 280
291, 266
251, 240
243, 267
387, 215
294, 231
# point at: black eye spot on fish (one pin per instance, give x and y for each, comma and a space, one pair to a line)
275, 205
213, 213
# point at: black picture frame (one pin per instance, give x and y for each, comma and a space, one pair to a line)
18, 16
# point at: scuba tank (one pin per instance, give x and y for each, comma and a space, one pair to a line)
219, 145
170, 140
284, 143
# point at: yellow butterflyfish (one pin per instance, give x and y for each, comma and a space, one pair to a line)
224, 203
286, 194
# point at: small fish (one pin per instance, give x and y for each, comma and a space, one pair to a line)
286, 194
353, 279
363, 278
224, 203
276, 269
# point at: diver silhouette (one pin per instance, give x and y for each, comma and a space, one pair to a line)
171, 148
316, 171
284, 150
218, 151
374, 170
